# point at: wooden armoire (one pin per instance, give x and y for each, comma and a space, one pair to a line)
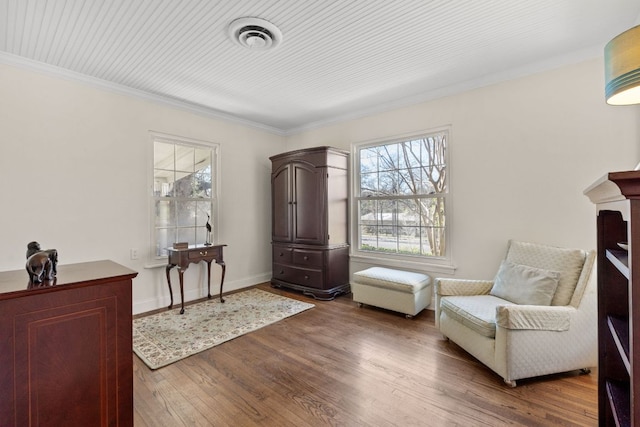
310, 237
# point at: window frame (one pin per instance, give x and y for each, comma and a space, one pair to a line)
215, 187
441, 264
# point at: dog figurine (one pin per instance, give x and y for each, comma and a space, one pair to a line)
41, 265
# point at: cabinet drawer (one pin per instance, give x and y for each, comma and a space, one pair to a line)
282, 254
298, 276
305, 258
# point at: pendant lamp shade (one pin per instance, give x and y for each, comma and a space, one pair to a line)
622, 68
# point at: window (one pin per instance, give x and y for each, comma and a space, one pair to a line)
184, 192
401, 192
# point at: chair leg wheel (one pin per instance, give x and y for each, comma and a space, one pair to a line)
409, 316
585, 371
360, 305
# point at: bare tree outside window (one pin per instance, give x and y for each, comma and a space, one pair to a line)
401, 196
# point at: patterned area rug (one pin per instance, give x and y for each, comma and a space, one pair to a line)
163, 338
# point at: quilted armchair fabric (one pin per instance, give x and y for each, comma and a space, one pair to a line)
521, 341
534, 317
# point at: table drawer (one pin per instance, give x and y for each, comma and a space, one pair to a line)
205, 253
298, 276
282, 254
308, 258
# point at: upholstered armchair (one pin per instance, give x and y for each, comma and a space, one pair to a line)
537, 317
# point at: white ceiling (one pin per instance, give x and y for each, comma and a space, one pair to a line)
338, 59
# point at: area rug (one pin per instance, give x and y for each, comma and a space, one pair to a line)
163, 338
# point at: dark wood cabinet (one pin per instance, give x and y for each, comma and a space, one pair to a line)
309, 221
617, 197
66, 348
297, 200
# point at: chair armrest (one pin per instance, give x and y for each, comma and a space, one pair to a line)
462, 286
535, 317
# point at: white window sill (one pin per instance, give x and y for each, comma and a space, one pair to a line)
426, 265
156, 263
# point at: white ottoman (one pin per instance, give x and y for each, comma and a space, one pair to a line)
396, 290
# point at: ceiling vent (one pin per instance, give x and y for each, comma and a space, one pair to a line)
255, 33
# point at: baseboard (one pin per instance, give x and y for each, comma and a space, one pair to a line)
194, 294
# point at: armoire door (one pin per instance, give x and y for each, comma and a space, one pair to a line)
308, 204
282, 205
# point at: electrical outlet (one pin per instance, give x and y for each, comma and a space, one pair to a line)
134, 253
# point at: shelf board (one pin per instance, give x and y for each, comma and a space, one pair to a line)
619, 328
619, 399
620, 259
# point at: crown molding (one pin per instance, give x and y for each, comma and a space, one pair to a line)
575, 57
488, 80
54, 71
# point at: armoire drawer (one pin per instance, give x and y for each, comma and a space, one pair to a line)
282, 254
298, 276
307, 258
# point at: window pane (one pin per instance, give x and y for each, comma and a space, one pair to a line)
410, 154
201, 235
368, 212
203, 209
408, 212
388, 157
369, 160
433, 212
164, 239
409, 240
388, 212
186, 214
185, 158
183, 186
202, 159
369, 184
387, 225
368, 237
388, 182
434, 163
163, 156
165, 213
162, 182
202, 184
433, 241
410, 181
408, 227
368, 224
427, 186
202, 179
187, 235
433, 230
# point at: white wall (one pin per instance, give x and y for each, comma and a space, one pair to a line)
521, 154
74, 172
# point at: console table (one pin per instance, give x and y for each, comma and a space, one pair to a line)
66, 352
182, 258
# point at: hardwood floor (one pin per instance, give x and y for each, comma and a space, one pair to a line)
341, 365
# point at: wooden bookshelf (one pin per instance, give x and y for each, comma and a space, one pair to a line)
617, 199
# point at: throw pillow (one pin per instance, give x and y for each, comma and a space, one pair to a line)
522, 284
